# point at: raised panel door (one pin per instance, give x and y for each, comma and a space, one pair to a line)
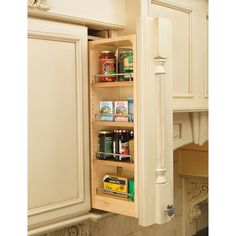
58, 170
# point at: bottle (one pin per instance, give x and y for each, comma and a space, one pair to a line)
116, 144
131, 145
124, 146
128, 64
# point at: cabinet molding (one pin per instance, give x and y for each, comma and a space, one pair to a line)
199, 127
39, 4
190, 127
205, 55
182, 130
73, 230
37, 13
175, 6
197, 194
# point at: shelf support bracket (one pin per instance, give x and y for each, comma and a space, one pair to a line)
197, 195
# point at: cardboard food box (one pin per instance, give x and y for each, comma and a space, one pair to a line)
131, 189
116, 185
106, 110
121, 111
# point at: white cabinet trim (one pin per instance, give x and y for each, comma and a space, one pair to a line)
155, 145
205, 56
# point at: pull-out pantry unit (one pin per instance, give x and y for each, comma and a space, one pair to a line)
122, 88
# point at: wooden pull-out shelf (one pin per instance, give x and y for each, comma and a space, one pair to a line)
114, 163
113, 124
116, 204
112, 84
111, 91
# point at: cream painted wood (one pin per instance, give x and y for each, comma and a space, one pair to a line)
133, 10
182, 129
58, 122
190, 127
111, 12
182, 81
199, 127
155, 150
189, 51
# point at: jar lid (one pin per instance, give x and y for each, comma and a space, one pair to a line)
106, 52
128, 54
105, 132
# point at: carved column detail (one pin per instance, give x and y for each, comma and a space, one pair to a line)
199, 127
39, 4
160, 75
159, 65
73, 230
197, 194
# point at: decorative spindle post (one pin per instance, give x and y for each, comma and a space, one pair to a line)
160, 75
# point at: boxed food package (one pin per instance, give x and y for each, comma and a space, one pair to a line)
131, 189
106, 110
121, 111
131, 109
116, 185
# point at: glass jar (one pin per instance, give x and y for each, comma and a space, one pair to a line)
107, 62
105, 144
128, 64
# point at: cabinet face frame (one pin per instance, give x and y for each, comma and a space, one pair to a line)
80, 204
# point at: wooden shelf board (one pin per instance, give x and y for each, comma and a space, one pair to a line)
115, 204
113, 123
114, 163
121, 41
112, 84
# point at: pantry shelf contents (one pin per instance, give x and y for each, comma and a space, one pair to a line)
113, 126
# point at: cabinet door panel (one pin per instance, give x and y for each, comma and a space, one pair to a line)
181, 47
189, 43
58, 169
52, 122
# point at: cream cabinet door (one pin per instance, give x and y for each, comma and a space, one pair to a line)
189, 22
58, 153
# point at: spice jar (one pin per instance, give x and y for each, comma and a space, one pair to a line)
107, 61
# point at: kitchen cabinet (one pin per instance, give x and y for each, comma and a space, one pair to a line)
58, 162
190, 36
96, 14
59, 150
